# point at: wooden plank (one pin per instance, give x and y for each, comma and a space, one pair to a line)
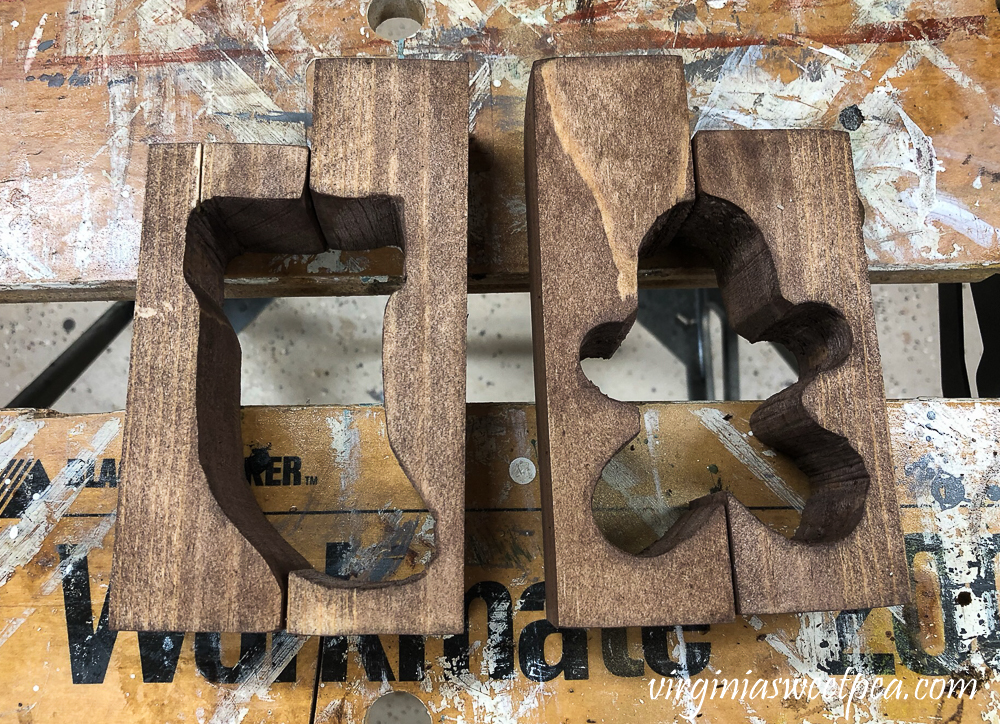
186, 515
778, 215
55, 565
369, 188
608, 174
390, 167
907, 78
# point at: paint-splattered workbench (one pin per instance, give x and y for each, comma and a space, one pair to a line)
85, 84
59, 661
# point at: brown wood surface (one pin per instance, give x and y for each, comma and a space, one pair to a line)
397, 131
778, 215
186, 515
389, 169
608, 176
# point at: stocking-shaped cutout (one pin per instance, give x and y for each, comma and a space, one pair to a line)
193, 552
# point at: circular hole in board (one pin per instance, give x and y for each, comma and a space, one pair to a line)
396, 19
397, 707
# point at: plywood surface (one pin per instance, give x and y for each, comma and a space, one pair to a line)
86, 84
58, 658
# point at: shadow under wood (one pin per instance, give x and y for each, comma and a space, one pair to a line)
638, 500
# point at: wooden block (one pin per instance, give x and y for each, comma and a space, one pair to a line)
186, 514
255, 197
778, 214
396, 132
608, 176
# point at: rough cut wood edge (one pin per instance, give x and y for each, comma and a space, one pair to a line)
398, 130
779, 216
186, 515
608, 171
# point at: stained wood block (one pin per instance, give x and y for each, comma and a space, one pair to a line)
390, 169
779, 216
396, 134
608, 177
186, 515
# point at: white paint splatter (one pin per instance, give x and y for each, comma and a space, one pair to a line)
13, 624
877, 12
747, 95
225, 89
328, 261
459, 10
85, 543
939, 58
36, 38
89, 28
492, 701
960, 440
22, 430
345, 441
951, 212
895, 161
652, 509
231, 707
651, 421
736, 443
42, 515
803, 662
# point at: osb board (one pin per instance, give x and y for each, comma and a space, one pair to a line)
87, 83
353, 511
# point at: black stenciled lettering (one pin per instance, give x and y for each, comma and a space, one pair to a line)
291, 470
572, 663
499, 633
656, 647
89, 647
614, 651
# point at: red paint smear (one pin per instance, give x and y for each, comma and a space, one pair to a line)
901, 32
618, 41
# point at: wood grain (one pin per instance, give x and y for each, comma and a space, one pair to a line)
779, 216
186, 515
207, 206
608, 176
397, 132
913, 81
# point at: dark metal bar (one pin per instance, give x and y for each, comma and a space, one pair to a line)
986, 295
59, 376
674, 317
704, 361
954, 376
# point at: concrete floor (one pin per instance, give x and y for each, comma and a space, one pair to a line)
328, 351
